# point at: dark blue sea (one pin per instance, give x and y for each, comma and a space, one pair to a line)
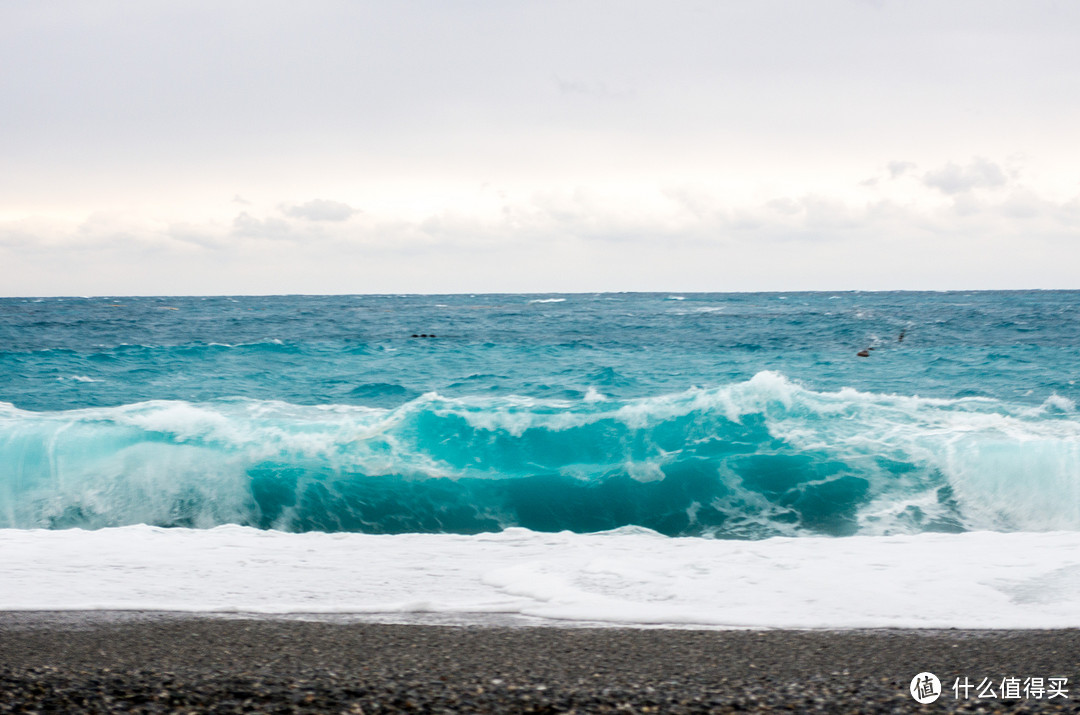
725, 415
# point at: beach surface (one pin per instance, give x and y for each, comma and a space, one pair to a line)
154, 662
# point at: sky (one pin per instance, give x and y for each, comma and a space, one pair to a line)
447, 146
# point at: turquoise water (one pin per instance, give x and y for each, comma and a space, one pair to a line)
732, 415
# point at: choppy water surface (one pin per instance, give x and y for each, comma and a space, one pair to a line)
734, 415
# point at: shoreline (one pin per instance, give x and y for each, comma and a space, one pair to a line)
628, 576
93, 661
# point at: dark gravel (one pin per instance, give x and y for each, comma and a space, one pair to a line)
51, 663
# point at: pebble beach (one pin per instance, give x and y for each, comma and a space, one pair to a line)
165, 663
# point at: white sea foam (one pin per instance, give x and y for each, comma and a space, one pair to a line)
1055, 404
267, 341
594, 395
630, 576
548, 300
972, 463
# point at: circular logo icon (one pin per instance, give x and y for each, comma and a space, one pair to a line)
925, 688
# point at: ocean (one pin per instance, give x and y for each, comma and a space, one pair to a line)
749, 460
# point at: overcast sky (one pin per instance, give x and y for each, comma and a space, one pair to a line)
500, 145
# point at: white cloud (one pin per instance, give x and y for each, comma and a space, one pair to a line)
276, 229
978, 174
320, 210
596, 89
899, 168
589, 238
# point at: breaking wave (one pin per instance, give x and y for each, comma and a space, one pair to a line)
752, 459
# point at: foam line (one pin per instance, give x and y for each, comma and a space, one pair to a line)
625, 577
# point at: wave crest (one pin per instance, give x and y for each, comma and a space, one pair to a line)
758, 458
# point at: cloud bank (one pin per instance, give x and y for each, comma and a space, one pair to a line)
576, 145
320, 210
957, 223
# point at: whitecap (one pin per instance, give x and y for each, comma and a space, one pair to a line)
594, 395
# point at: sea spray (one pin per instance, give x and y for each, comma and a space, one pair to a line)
757, 458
